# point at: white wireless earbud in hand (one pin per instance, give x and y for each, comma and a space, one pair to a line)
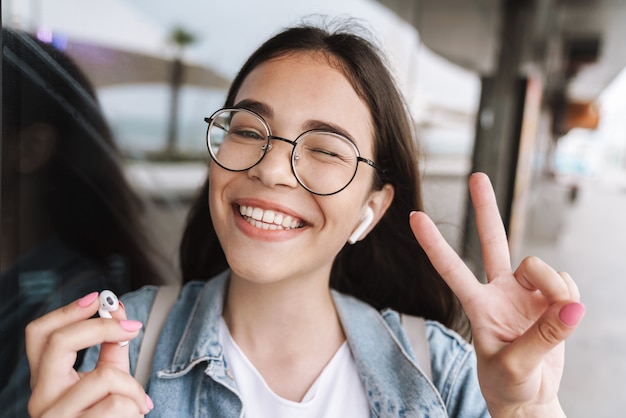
366, 221
109, 303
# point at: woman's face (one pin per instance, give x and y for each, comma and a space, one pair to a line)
293, 93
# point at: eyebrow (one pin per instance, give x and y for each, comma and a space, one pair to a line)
267, 112
257, 107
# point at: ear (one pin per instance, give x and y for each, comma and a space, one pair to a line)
375, 208
37, 143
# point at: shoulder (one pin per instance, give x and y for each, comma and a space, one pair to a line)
445, 341
455, 374
453, 364
450, 353
139, 302
440, 338
385, 355
448, 349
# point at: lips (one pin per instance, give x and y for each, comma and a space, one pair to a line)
269, 219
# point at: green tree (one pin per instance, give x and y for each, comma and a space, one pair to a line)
181, 39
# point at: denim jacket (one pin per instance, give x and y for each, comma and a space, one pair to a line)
190, 376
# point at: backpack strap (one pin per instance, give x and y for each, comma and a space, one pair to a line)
415, 328
163, 301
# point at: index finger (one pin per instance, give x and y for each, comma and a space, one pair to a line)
38, 332
445, 260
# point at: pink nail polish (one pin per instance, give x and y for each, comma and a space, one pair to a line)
571, 314
130, 325
149, 402
87, 300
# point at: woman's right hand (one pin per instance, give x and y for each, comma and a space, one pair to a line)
52, 344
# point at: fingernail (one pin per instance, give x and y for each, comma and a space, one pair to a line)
571, 314
149, 402
87, 300
130, 325
121, 305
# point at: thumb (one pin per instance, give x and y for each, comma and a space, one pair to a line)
116, 353
551, 329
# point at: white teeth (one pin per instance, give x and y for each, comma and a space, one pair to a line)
268, 219
257, 214
268, 216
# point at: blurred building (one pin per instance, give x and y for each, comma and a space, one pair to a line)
543, 65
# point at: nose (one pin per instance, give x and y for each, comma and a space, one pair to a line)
275, 167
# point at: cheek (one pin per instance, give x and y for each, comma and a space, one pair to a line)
347, 209
218, 208
363, 182
343, 213
213, 187
218, 179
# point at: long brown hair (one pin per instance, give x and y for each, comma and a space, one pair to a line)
388, 269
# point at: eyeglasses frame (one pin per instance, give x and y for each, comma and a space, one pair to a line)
293, 155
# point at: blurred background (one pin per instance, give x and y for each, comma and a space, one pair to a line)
531, 92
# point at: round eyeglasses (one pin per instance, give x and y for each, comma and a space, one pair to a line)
323, 162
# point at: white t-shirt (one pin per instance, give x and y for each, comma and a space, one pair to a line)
337, 392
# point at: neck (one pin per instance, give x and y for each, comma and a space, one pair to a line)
289, 330
300, 306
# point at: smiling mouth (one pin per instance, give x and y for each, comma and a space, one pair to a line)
269, 219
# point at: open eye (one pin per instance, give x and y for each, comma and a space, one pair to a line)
247, 133
245, 126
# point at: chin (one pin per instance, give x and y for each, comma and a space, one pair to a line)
257, 276
255, 268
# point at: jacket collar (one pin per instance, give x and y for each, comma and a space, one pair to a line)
200, 340
393, 382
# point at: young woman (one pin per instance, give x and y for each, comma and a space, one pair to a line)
314, 150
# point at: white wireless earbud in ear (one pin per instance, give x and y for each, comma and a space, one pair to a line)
366, 221
109, 303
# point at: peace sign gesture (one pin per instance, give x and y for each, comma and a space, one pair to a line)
519, 319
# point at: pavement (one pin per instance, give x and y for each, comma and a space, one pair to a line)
591, 247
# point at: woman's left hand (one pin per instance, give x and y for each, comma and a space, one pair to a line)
519, 319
